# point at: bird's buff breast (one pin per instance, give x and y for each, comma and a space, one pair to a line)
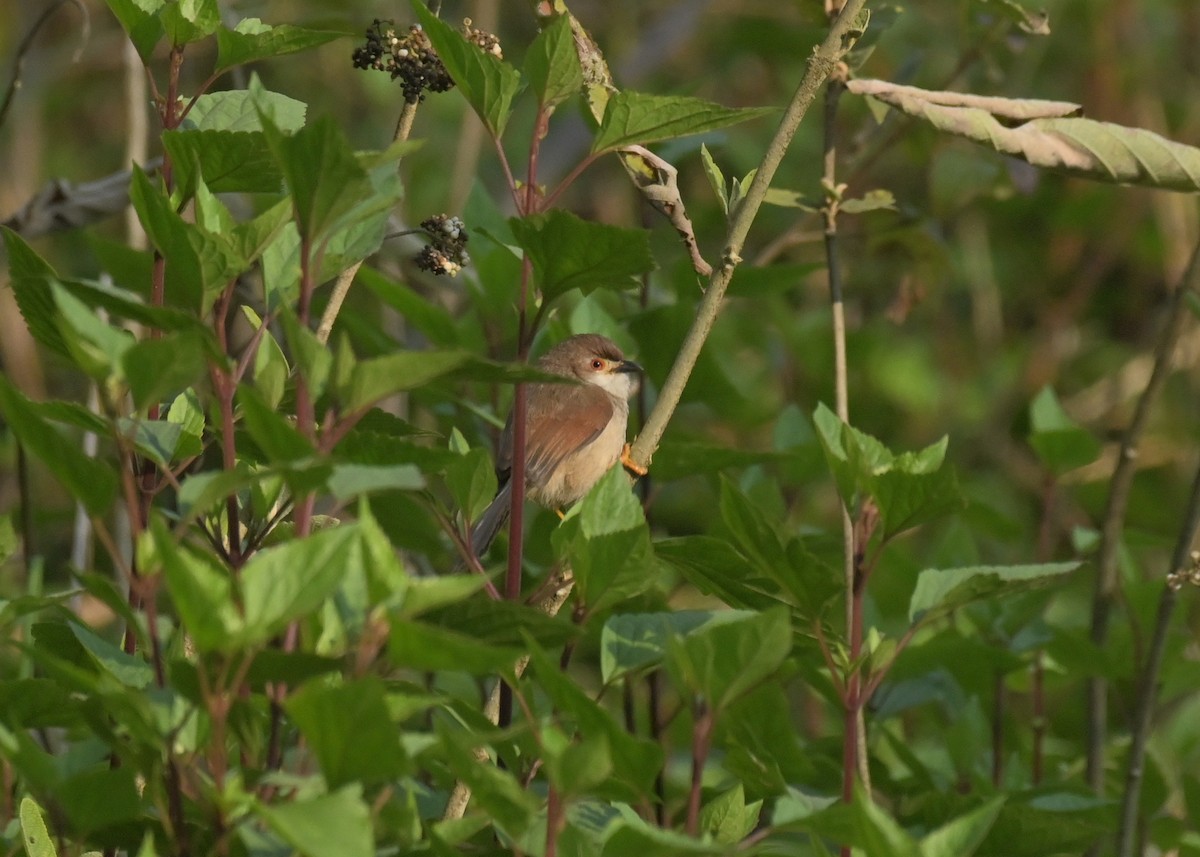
583, 468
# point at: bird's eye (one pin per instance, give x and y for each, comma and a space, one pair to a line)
597, 364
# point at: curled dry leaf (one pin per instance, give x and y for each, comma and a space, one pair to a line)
1050, 134
657, 179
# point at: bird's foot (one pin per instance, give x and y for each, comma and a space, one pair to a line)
630, 464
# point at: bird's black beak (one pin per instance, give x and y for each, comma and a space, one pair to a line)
630, 367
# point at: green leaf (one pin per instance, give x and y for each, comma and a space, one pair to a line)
610, 550
31, 277
724, 659
200, 263
940, 591
571, 253
141, 22
309, 355
187, 21
348, 481
131, 306
728, 819
961, 836
278, 438
552, 63
160, 368
1060, 442
129, 670
349, 729
631, 642
323, 175
487, 82
270, 366
636, 761
471, 479
229, 161
201, 590
635, 118
716, 179
632, 835
287, 582
420, 646
424, 314
89, 480
99, 798
909, 488
252, 40
375, 379
33, 830
240, 110
872, 200
715, 567
333, 825
500, 795
96, 346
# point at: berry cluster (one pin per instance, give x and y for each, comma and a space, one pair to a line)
446, 252
487, 42
412, 59
409, 57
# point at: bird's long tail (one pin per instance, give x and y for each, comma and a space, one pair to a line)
492, 519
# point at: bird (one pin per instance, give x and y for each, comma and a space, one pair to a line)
573, 432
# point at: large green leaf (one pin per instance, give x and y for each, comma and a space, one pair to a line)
552, 63
962, 835
284, 583
324, 177
939, 591
332, 825
634, 641
200, 263
908, 488
1060, 442
349, 729
241, 110
91, 481
632, 118
187, 21
375, 379
31, 276
609, 544
487, 82
229, 161
726, 658
141, 22
252, 40
571, 253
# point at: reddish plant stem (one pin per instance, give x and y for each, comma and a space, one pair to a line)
702, 732
555, 821
654, 710
854, 686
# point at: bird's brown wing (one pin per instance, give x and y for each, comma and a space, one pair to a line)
549, 435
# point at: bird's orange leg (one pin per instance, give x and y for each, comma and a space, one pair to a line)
630, 464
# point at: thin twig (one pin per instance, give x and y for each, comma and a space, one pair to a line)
820, 66
1106, 585
1149, 674
26, 46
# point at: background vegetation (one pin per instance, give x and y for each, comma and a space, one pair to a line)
304, 663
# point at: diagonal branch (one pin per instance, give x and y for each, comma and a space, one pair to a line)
820, 66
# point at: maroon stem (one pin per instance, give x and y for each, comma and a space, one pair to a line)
702, 731
555, 821
854, 689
